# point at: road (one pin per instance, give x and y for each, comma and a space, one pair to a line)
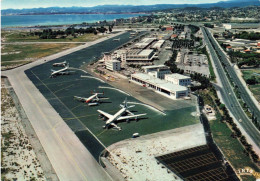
228, 94
68, 156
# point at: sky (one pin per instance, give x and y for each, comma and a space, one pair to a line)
19, 4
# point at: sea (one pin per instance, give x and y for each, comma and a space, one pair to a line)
59, 19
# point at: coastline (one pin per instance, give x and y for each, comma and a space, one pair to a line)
66, 22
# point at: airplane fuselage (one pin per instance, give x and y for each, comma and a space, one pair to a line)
57, 72
116, 116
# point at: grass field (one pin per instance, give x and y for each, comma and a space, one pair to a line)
15, 55
18, 36
231, 147
254, 88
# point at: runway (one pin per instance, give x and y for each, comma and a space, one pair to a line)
68, 156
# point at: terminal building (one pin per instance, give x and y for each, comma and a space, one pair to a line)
178, 79
144, 43
137, 56
113, 65
158, 71
158, 44
160, 86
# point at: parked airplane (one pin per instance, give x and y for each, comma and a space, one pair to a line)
60, 64
63, 71
92, 100
118, 116
116, 39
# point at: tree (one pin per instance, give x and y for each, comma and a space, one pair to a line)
110, 29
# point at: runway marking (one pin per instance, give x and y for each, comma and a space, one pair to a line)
101, 87
58, 82
78, 120
59, 97
54, 131
85, 116
76, 106
92, 78
101, 133
63, 88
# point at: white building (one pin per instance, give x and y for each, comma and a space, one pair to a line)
182, 35
144, 43
113, 65
178, 79
160, 86
137, 56
227, 26
158, 71
158, 44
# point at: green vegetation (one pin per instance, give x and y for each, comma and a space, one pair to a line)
252, 77
227, 136
244, 59
71, 31
172, 65
16, 36
15, 55
248, 36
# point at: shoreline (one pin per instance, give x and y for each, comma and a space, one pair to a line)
69, 24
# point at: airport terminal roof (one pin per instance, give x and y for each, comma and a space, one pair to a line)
177, 76
145, 52
159, 82
153, 66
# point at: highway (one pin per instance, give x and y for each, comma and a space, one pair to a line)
227, 92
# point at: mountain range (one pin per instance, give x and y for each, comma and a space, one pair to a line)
109, 9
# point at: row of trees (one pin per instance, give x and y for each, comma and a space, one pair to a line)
224, 117
236, 132
171, 63
248, 35
50, 34
182, 43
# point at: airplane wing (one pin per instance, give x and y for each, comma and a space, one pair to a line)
117, 127
129, 112
128, 117
105, 114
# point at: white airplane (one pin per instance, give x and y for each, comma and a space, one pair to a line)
92, 100
118, 116
60, 64
63, 71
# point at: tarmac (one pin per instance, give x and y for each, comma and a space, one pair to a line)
68, 156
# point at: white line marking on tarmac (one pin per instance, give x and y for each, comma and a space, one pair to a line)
101, 87
85, 76
150, 107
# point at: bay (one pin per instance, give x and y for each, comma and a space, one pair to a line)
59, 19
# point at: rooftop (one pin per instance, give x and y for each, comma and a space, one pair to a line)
177, 76
160, 83
145, 52
154, 66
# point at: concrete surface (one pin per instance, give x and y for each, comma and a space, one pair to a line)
68, 156
137, 156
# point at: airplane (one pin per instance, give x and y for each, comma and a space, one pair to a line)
60, 64
116, 39
63, 71
92, 100
111, 119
